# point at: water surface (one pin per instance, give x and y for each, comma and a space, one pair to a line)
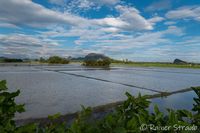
48, 90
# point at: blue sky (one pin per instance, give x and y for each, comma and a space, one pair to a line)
138, 30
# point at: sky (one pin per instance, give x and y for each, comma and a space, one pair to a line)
137, 30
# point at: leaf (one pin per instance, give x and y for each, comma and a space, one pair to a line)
156, 109
185, 113
13, 94
20, 108
172, 118
119, 130
29, 128
3, 85
2, 98
55, 116
128, 95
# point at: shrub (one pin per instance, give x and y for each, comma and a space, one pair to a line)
57, 60
103, 62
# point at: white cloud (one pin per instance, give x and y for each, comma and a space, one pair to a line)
111, 30
132, 16
111, 2
26, 40
121, 42
129, 19
26, 12
169, 22
191, 12
109, 35
26, 45
115, 22
85, 3
159, 5
190, 41
57, 2
138, 41
127, 31
155, 19
77, 6
33, 46
174, 30
8, 25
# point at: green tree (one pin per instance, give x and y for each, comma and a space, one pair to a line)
57, 60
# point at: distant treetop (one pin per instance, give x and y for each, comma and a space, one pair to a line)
94, 59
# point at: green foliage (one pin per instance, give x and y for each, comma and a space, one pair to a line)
8, 108
54, 60
103, 62
84, 123
42, 60
196, 107
57, 60
129, 117
10, 60
153, 64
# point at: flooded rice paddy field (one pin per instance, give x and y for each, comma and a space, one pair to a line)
47, 90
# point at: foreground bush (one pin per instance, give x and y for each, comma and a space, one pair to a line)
130, 117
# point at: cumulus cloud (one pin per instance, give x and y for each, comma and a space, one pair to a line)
111, 30
121, 42
174, 30
155, 19
111, 34
191, 12
23, 46
26, 12
129, 19
110, 21
130, 42
132, 16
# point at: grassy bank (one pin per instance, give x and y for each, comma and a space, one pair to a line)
135, 64
156, 64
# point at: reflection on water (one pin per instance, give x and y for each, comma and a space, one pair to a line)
176, 101
47, 90
160, 81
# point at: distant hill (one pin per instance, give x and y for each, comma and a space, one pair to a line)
95, 56
2, 57
178, 61
78, 59
90, 56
